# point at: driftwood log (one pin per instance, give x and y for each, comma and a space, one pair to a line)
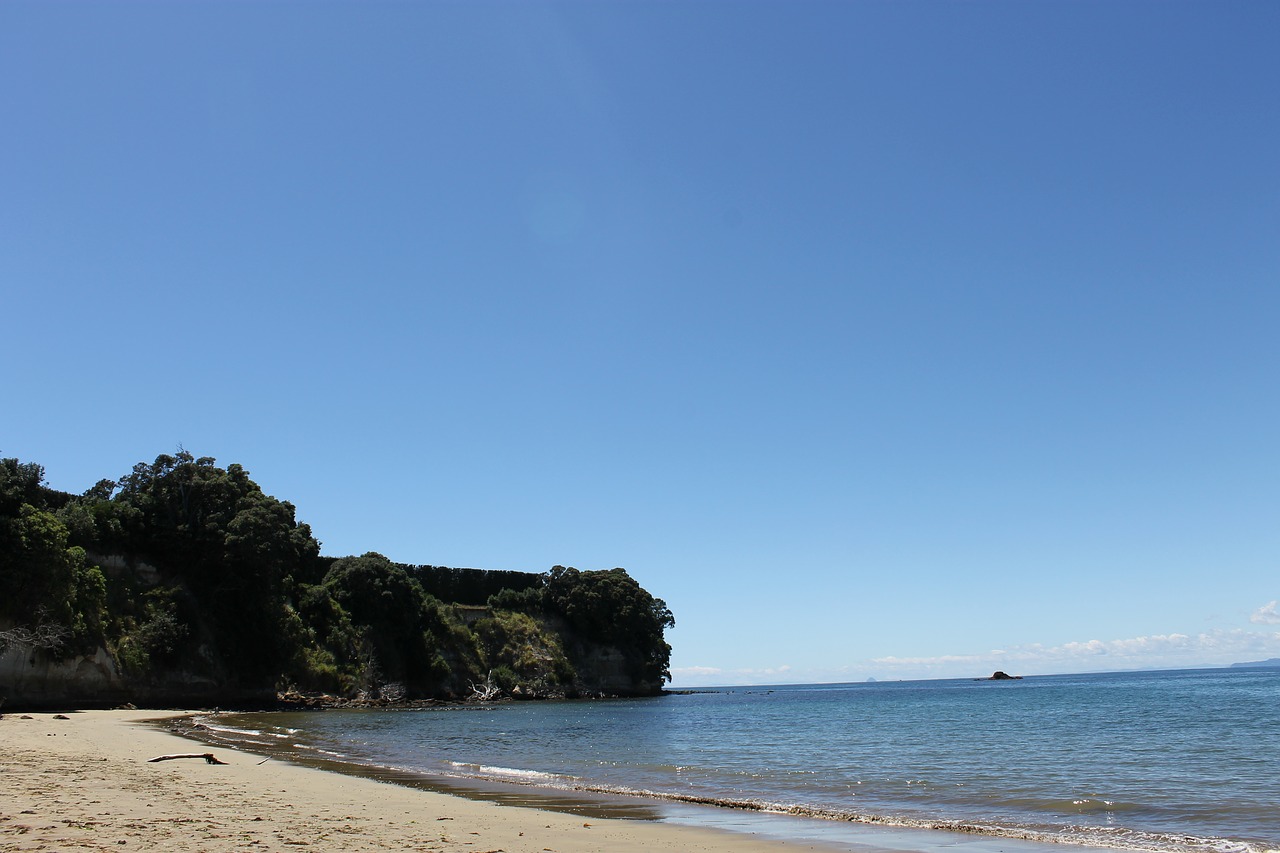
207, 756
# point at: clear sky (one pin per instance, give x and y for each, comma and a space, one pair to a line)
880, 339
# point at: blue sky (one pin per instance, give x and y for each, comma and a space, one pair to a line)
880, 339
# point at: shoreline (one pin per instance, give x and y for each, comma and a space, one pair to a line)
84, 781
799, 828
780, 823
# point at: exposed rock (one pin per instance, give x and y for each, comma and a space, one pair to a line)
34, 679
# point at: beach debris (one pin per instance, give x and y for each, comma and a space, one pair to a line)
388, 695
61, 717
486, 691
207, 756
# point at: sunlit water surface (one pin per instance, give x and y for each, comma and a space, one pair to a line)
1162, 761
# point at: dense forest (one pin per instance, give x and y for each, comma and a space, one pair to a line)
184, 579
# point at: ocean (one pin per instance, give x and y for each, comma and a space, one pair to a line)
1172, 761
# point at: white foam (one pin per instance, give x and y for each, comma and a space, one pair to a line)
512, 772
231, 730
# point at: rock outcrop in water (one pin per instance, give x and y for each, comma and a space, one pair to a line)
1001, 675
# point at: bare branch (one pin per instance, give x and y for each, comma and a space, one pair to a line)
487, 691
49, 636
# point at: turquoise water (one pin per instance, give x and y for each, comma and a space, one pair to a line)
1161, 761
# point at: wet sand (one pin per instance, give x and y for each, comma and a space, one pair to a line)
84, 783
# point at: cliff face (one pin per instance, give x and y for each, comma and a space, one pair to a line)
601, 669
34, 679
605, 670
30, 678
541, 657
533, 656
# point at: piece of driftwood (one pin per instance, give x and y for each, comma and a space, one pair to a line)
207, 756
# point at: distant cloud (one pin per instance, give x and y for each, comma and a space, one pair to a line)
772, 670
1266, 614
1157, 650
1217, 647
701, 674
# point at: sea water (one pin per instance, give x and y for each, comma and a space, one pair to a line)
1175, 761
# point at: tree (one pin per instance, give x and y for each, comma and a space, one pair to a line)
40, 571
397, 622
20, 483
232, 546
610, 607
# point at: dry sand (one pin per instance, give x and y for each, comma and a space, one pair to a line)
84, 783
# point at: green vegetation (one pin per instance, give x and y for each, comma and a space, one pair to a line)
187, 572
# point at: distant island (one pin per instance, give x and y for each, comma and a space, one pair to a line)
1269, 662
182, 583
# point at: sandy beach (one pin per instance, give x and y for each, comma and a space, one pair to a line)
84, 783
